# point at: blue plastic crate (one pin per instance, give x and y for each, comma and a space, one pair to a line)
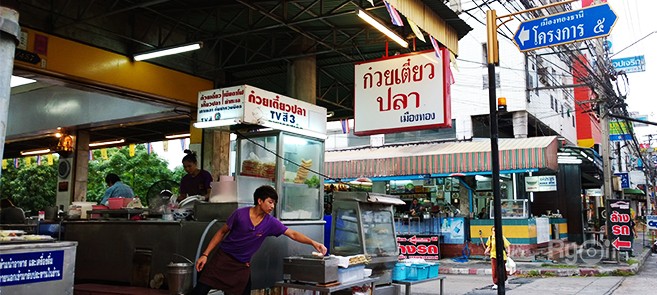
417, 272
399, 272
433, 269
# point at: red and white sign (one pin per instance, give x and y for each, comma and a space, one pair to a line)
419, 246
251, 105
401, 93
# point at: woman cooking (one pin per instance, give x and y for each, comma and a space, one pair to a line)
196, 181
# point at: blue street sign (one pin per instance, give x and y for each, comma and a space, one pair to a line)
630, 64
624, 178
567, 27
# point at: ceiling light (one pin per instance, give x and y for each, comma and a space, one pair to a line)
35, 152
18, 81
174, 136
385, 30
168, 51
218, 123
100, 143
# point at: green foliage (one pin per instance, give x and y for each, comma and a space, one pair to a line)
621, 273
31, 188
632, 261
550, 265
138, 172
35, 187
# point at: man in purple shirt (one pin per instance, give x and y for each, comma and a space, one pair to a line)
237, 241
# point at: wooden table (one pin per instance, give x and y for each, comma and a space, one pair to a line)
408, 284
328, 290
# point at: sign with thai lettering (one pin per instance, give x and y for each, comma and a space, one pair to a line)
632, 64
624, 179
284, 113
401, 93
251, 105
543, 183
567, 27
419, 246
221, 104
32, 267
619, 221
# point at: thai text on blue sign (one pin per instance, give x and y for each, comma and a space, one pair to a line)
632, 64
33, 267
624, 178
577, 25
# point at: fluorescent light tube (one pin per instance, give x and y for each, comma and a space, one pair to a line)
219, 123
35, 152
100, 143
174, 136
18, 81
385, 30
168, 51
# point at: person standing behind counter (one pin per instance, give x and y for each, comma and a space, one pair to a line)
196, 181
10, 214
116, 189
245, 230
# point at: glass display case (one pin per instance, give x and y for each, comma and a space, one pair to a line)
289, 163
512, 209
363, 223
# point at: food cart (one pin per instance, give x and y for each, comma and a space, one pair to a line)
363, 223
287, 156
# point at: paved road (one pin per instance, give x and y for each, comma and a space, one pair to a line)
480, 284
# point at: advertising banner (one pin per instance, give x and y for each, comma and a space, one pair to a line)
32, 267
651, 221
419, 246
632, 64
401, 93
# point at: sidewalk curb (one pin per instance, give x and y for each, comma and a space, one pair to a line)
583, 271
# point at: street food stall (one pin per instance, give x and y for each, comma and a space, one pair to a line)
363, 223
287, 156
280, 143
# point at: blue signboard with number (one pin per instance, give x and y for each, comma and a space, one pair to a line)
577, 25
624, 178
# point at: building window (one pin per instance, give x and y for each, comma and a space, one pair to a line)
484, 53
552, 102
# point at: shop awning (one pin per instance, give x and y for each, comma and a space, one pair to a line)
633, 191
442, 158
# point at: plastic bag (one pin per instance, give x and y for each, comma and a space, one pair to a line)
510, 266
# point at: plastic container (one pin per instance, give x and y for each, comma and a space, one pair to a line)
115, 203
417, 272
350, 274
399, 272
434, 269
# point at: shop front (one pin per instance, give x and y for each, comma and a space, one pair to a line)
451, 183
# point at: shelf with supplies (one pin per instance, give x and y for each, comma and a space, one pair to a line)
410, 196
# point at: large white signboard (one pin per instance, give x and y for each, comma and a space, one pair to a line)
401, 93
251, 105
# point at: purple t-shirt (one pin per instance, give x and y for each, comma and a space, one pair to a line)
244, 239
196, 185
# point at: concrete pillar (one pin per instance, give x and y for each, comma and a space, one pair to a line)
302, 76
81, 160
9, 31
520, 124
